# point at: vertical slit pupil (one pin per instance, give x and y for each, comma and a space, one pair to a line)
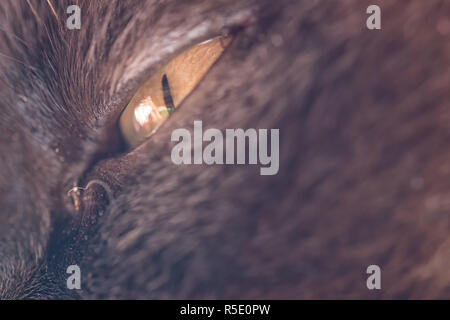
168, 100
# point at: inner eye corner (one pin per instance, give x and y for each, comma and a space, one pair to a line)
161, 94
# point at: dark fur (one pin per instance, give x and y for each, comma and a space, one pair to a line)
364, 175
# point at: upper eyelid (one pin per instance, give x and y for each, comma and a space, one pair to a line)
176, 41
177, 46
134, 82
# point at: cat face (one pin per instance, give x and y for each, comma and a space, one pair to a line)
362, 152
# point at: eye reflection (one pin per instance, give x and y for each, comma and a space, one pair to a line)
166, 89
146, 114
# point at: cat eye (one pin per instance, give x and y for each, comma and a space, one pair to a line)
166, 89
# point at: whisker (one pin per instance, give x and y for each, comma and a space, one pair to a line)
53, 9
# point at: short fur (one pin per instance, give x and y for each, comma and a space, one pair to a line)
364, 161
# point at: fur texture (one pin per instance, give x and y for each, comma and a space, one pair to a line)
364, 160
